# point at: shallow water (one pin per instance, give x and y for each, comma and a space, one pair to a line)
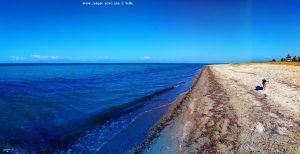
85, 107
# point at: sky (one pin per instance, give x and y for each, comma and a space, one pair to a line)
183, 31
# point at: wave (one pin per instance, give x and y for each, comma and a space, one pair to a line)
64, 139
68, 138
132, 105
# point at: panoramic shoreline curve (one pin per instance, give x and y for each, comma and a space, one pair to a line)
226, 111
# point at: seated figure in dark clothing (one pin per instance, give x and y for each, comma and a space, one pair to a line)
264, 83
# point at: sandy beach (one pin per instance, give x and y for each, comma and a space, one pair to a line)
224, 112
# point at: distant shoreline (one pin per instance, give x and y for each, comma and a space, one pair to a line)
4, 64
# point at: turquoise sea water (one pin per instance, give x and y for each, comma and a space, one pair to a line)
85, 108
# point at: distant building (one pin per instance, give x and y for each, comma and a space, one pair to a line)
288, 58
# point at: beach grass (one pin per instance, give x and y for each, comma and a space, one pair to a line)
275, 63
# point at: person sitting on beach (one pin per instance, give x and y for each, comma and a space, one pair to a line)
264, 83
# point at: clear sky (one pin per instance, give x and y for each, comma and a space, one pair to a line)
148, 31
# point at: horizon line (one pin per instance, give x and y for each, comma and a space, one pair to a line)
108, 63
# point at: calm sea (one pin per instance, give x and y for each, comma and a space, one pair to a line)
85, 108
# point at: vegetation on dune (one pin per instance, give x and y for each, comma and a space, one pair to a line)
288, 60
276, 63
286, 63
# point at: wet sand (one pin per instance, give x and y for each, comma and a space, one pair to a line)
223, 112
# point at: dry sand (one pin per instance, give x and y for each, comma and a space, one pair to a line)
224, 113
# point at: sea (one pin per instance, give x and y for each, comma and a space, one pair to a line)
85, 108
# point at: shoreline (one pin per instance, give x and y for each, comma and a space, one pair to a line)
173, 111
223, 112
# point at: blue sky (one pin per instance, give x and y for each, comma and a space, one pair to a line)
149, 31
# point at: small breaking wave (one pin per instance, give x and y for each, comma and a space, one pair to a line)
93, 140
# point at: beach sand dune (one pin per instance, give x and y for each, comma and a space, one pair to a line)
225, 112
